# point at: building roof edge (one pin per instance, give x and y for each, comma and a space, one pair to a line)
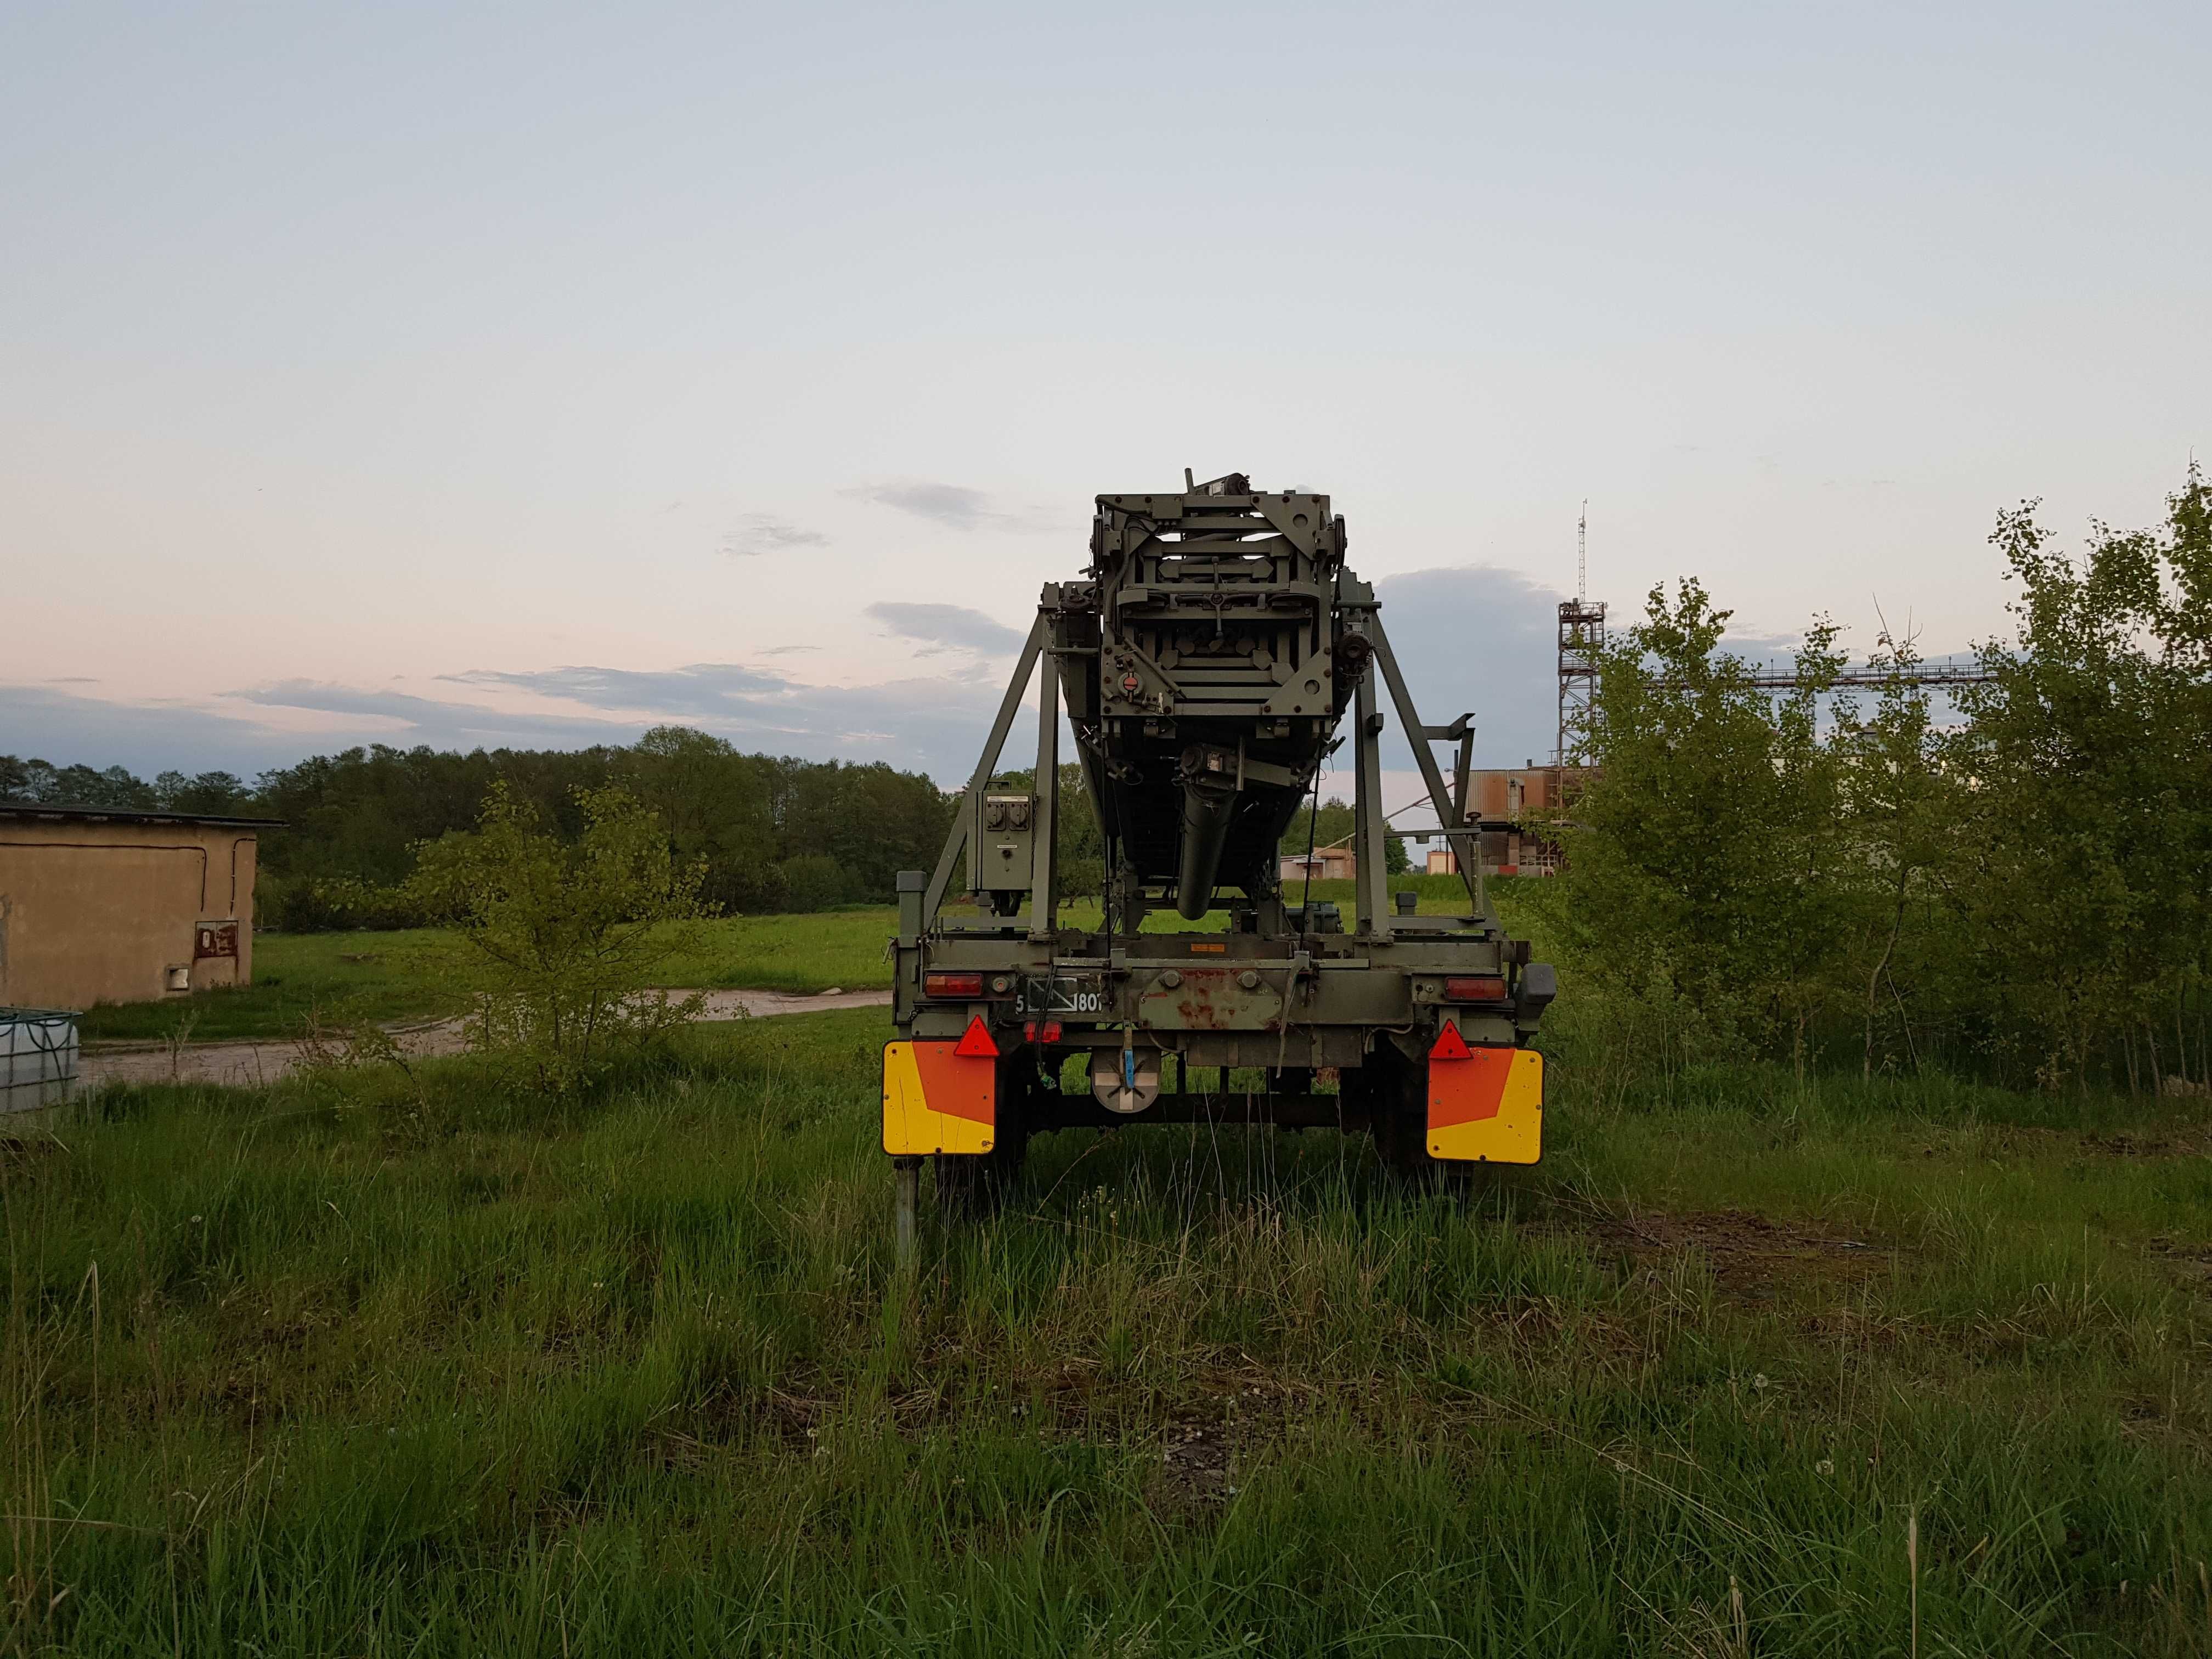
58, 812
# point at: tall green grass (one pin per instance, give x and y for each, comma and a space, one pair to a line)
409, 1365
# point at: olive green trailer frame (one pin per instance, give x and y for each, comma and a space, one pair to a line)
1418, 1017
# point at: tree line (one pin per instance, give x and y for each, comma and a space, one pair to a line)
218, 794
2021, 886
2019, 883
772, 834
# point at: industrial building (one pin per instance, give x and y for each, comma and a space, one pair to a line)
102, 906
1512, 808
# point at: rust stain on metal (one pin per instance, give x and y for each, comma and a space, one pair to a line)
1197, 1009
1211, 1000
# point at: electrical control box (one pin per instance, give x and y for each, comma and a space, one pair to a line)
1001, 848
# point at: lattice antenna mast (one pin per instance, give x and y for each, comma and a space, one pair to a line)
1582, 556
1581, 643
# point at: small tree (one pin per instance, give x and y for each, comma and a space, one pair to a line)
1701, 874
563, 939
2087, 833
1901, 808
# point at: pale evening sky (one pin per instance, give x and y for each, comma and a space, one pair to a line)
531, 374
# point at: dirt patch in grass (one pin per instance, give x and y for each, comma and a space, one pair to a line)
1750, 1253
1240, 1416
2143, 1146
2192, 1263
1857, 1328
738, 1414
1195, 1462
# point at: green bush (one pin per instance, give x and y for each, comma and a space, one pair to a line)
811, 882
562, 939
2027, 891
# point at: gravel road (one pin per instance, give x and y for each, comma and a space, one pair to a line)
245, 1063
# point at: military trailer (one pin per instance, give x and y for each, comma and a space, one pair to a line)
1207, 660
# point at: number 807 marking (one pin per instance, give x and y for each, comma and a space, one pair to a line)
1065, 996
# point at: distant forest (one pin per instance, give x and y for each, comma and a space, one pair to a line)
776, 834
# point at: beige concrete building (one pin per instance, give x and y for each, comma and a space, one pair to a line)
1327, 863
102, 906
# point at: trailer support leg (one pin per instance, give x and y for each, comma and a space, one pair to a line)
1372, 886
908, 1173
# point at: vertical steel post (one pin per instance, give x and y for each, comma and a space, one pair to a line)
1044, 863
908, 1173
1368, 810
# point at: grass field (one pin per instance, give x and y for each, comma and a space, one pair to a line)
297, 978
1745, 1367
346, 977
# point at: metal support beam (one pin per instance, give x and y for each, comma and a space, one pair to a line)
1044, 867
1464, 767
1460, 731
1374, 904
968, 821
1467, 846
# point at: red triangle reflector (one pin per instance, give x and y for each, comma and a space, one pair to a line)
976, 1041
1451, 1045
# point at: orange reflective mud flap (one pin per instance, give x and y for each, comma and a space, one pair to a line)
940, 1097
1485, 1105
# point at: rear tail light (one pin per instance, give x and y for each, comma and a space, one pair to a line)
1047, 1032
1483, 989
952, 984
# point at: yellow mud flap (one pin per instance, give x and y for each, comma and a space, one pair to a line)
1485, 1105
939, 1097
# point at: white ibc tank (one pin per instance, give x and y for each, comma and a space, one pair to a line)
38, 1058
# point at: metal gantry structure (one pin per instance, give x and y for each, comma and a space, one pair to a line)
1943, 671
1581, 643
